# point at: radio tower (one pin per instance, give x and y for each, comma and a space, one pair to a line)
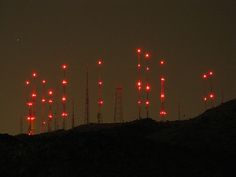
148, 87
100, 99
32, 106
139, 83
50, 111
210, 95
118, 109
43, 101
73, 115
86, 121
29, 103
64, 97
163, 112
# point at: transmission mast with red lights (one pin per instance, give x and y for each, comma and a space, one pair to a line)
44, 102
64, 97
210, 95
100, 86
148, 87
139, 83
50, 109
87, 115
32, 105
163, 112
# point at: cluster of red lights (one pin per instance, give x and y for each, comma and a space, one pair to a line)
211, 95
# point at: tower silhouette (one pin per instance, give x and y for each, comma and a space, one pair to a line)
86, 120
118, 108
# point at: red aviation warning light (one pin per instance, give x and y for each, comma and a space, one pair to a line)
139, 51
64, 114
43, 81
100, 83
147, 103
163, 113
162, 62
162, 96
100, 62
64, 82
34, 95
139, 102
212, 96
205, 99
148, 88
147, 55
43, 100
211, 73
64, 66
50, 92
50, 116
163, 79
63, 99
100, 102
30, 104
30, 118
27, 83
34, 74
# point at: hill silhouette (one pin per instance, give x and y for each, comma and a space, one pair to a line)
200, 147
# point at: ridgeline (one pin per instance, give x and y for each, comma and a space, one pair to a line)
201, 147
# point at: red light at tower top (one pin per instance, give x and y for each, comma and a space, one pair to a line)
211, 73
34, 74
147, 55
138, 51
44, 81
27, 82
64, 66
163, 79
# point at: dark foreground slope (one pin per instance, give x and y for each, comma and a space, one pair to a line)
202, 147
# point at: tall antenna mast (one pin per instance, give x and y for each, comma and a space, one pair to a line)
139, 84
86, 121
118, 109
73, 115
148, 87
50, 111
100, 85
163, 112
64, 97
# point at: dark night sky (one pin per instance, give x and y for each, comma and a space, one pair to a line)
193, 36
